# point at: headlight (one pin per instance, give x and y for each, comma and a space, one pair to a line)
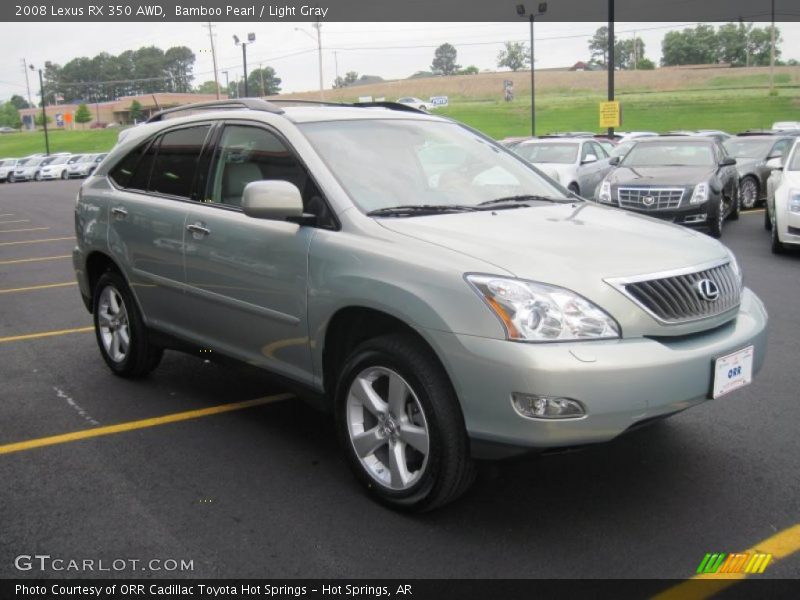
536, 312
605, 192
700, 193
794, 201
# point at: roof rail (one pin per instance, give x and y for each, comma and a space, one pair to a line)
390, 106
230, 104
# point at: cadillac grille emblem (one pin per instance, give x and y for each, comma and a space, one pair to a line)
707, 290
648, 200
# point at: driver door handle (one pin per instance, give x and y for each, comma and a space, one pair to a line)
119, 212
198, 228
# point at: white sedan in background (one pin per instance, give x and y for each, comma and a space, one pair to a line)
55, 167
414, 102
783, 202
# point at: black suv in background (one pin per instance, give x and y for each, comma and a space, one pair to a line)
752, 153
686, 180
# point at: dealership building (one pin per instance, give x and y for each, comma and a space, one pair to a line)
117, 111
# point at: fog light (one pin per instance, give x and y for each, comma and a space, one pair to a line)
701, 218
545, 407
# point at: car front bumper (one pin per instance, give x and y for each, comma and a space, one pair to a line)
620, 383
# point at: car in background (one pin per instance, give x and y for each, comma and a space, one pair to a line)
510, 142
8, 130
579, 164
783, 203
685, 180
717, 134
95, 162
29, 169
414, 102
7, 166
622, 148
752, 153
82, 166
55, 168
630, 135
785, 125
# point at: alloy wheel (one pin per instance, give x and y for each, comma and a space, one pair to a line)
387, 428
749, 193
112, 319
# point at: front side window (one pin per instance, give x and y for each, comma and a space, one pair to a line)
246, 154
175, 164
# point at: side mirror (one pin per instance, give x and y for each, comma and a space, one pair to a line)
590, 158
728, 161
775, 164
614, 161
272, 200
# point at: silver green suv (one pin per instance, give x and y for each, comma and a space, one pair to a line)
449, 300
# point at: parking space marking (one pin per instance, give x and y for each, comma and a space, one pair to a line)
29, 260
781, 545
58, 239
141, 424
15, 221
21, 230
756, 211
31, 288
44, 334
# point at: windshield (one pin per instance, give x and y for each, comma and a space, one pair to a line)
388, 163
58, 161
673, 154
740, 148
548, 153
74, 159
34, 162
622, 148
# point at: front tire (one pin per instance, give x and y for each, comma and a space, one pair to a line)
776, 246
401, 426
64, 175
736, 205
767, 218
38, 176
120, 331
715, 219
749, 192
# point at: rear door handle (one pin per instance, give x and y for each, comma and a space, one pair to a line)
120, 212
198, 228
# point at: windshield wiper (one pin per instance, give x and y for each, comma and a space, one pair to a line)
419, 209
523, 198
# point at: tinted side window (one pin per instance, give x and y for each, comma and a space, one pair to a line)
125, 169
781, 147
175, 163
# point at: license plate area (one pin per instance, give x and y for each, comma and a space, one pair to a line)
732, 371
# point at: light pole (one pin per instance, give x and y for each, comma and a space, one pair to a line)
251, 37
44, 113
318, 27
227, 84
541, 9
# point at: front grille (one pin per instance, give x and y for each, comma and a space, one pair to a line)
649, 198
677, 298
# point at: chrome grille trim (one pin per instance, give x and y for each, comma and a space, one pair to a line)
671, 298
664, 198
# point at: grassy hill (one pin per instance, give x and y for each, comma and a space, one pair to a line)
659, 100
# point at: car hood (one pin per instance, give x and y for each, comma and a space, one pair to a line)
564, 244
660, 175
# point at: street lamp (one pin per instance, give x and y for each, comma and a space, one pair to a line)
541, 9
251, 37
318, 27
44, 113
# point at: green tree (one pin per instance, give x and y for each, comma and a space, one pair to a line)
38, 119
759, 45
136, 112
515, 56
598, 46
470, 70
444, 60
207, 87
263, 82
19, 102
178, 64
695, 46
628, 53
645, 64
83, 114
9, 115
349, 79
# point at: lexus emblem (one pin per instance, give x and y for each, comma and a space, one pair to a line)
707, 290
648, 200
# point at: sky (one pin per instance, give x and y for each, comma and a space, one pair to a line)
390, 50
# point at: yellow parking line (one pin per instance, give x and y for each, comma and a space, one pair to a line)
38, 287
44, 334
142, 424
781, 545
755, 211
27, 260
21, 230
15, 221
58, 239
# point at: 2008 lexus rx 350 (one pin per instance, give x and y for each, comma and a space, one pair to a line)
447, 299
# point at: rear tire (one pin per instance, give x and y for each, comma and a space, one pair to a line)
395, 403
38, 176
749, 193
573, 187
120, 331
64, 175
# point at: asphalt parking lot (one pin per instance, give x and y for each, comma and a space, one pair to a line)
263, 491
